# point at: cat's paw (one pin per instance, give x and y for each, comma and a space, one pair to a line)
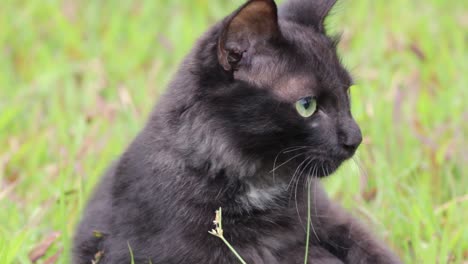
377, 256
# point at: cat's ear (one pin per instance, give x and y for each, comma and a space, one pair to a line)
307, 12
254, 22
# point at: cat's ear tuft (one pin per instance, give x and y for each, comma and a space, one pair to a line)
254, 22
307, 12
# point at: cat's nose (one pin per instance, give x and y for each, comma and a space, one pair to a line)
350, 136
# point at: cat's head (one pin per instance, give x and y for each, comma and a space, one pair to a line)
272, 84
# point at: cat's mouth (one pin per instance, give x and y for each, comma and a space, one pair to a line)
320, 167
310, 162
328, 167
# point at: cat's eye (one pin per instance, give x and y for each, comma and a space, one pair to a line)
306, 106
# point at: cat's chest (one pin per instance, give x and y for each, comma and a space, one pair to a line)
274, 247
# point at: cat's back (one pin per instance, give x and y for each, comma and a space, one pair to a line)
128, 184
94, 226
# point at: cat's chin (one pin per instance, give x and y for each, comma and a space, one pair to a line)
327, 168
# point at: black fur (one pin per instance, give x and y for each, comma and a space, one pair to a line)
223, 136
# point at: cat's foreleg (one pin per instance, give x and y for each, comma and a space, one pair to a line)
346, 238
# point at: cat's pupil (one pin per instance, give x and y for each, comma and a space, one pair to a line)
306, 102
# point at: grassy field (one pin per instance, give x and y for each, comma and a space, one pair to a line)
78, 78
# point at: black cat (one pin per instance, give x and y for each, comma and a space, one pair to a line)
258, 111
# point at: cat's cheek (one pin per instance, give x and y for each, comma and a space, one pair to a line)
322, 114
317, 120
314, 124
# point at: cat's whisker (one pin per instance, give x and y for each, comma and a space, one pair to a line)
323, 168
295, 172
289, 149
364, 176
297, 207
284, 163
315, 202
295, 194
293, 178
297, 184
299, 147
276, 167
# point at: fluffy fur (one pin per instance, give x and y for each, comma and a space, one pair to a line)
226, 134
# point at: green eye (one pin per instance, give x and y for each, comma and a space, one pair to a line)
306, 106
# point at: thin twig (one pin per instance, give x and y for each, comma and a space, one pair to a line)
218, 232
306, 257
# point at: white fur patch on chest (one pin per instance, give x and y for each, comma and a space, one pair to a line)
262, 197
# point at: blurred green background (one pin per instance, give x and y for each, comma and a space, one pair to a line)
78, 79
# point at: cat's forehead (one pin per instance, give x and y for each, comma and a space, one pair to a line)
309, 66
303, 64
291, 87
307, 41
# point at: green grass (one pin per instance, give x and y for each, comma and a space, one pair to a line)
78, 78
